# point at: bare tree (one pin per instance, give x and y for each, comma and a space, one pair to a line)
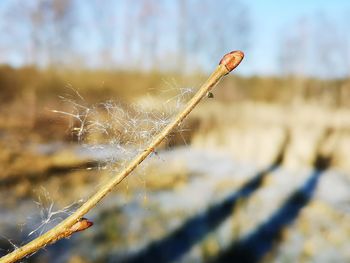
104, 19
206, 28
148, 20
47, 25
295, 49
329, 46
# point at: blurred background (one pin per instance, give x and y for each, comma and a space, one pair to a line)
259, 173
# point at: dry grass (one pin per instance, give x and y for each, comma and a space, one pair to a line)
28, 94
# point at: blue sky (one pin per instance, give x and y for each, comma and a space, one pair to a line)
271, 23
272, 19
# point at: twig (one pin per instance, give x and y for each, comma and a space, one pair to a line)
76, 222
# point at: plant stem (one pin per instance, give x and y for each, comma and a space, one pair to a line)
227, 64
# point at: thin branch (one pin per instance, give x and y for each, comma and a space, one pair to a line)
76, 222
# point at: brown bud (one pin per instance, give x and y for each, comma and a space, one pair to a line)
231, 60
81, 225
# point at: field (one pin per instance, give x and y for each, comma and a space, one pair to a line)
259, 172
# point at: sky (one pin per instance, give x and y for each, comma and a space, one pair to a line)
271, 23
271, 19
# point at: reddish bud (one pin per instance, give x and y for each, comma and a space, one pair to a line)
231, 60
81, 225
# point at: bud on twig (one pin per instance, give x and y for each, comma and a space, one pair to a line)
231, 60
81, 225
